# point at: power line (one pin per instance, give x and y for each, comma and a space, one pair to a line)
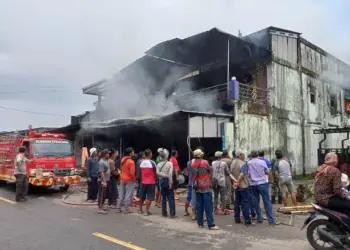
33, 112
39, 91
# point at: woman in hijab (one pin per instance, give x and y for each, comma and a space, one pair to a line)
328, 184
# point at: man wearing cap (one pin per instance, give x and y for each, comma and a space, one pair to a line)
202, 184
159, 150
242, 192
92, 175
219, 169
158, 193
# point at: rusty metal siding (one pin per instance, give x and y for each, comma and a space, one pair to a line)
314, 112
311, 146
284, 47
254, 133
286, 86
326, 66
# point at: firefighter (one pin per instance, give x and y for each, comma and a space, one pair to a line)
21, 174
275, 189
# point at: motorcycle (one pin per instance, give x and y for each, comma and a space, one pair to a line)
335, 232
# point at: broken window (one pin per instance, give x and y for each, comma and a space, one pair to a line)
347, 105
333, 103
312, 93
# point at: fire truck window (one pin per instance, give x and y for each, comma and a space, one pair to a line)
26, 144
47, 147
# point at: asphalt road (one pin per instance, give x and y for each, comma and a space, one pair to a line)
45, 223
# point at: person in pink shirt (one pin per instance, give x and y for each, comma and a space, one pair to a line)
173, 160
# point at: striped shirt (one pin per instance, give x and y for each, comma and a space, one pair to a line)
201, 176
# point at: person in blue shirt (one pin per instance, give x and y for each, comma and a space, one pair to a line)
92, 175
262, 157
190, 196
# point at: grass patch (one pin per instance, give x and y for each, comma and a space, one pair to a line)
308, 177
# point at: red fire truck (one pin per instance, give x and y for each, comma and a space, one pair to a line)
53, 163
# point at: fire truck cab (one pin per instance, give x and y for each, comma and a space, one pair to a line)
53, 163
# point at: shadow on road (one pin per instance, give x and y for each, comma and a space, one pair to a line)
33, 191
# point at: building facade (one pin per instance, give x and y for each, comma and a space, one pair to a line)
307, 89
282, 100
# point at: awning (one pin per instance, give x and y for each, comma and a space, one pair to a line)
144, 120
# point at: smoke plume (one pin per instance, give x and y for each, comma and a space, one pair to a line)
141, 93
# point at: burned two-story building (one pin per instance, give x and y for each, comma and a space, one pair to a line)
176, 96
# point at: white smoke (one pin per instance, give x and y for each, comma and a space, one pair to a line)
138, 94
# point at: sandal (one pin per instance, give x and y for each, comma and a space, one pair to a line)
147, 214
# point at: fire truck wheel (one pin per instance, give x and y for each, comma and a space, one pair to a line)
64, 189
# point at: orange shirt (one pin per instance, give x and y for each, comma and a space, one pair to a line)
127, 169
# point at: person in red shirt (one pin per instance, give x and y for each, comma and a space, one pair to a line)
202, 184
176, 167
148, 181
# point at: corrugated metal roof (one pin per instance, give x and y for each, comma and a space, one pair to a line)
149, 118
208, 47
40, 129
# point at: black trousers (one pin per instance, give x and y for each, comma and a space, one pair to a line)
21, 186
168, 195
102, 194
112, 193
92, 189
339, 204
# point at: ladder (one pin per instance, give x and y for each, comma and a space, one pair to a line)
9, 139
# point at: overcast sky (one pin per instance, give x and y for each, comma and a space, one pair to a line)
50, 49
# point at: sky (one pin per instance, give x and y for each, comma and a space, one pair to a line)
50, 49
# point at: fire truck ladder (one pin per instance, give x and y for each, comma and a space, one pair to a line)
8, 139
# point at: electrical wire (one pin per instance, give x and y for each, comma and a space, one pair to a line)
39, 91
32, 112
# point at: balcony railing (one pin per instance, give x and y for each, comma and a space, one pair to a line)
252, 99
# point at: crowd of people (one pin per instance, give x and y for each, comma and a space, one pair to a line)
212, 186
